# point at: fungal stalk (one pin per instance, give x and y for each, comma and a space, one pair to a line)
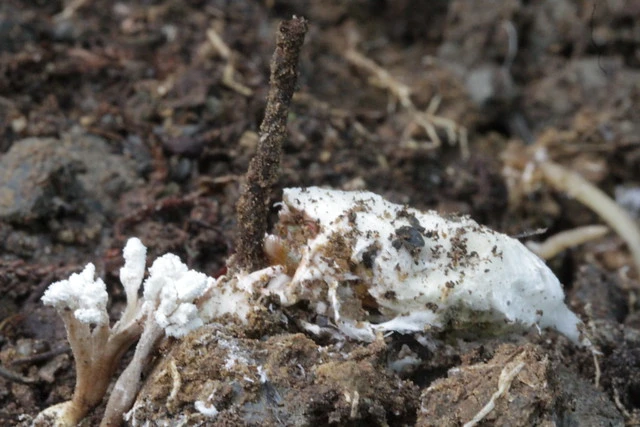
167, 307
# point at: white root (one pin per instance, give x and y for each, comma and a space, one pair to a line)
591, 196
507, 376
176, 382
567, 239
428, 120
229, 72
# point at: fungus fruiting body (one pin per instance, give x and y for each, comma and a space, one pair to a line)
166, 307
372, 265
368, 265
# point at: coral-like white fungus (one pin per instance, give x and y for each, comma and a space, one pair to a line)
377, 266
168, 306
176, 287
132, 273
84, 295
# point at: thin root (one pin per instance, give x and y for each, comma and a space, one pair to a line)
507, 376
176, 382
596, 364
228, 74
591, 196
69, 10
427, 119
355, 402
619, 405
567, 239
15, 377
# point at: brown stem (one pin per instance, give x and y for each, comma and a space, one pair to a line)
264, 168
96, 353
126, 388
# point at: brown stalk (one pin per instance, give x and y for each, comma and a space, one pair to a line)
264, 168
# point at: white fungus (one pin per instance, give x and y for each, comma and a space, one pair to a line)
132, 273
207, 411
386, 267
168, 306
173, 288
84, 295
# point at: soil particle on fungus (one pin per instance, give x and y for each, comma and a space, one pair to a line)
409, 238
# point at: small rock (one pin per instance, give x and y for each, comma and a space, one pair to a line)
40, 177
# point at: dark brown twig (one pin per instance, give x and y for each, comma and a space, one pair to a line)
41, 357
15, 377
264, 168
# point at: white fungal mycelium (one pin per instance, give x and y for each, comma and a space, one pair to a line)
371, 265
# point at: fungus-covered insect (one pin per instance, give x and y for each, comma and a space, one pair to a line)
371, 265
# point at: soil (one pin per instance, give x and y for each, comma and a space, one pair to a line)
121, 119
